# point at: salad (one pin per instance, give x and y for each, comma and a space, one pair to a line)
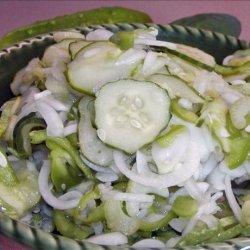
123, 139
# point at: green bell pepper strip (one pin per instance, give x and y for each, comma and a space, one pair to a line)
66, 226
234, 132
73, 139
155, 225
199, 235
64, 173
228, 234
183, 113
246, 231
95, 215
239, 150
21, 134
40, 136
7, 175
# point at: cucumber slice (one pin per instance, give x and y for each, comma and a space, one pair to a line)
95, 65
130, 113
176, 87
58, 52
191, 55
91, 146
76, 46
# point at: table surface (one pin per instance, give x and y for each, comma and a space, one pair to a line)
15, 14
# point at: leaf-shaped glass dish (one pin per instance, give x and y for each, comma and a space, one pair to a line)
17, 56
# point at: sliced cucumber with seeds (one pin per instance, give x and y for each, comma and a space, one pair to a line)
91, 146
130, 114
76, 46
176, 87
96, 65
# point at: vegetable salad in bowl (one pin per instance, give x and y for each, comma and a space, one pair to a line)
123, 139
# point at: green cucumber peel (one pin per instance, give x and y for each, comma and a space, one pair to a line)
216, 22
83, 18
66, 226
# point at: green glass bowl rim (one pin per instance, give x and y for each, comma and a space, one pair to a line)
38, 239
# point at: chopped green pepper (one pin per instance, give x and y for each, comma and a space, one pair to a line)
95, 215
64, 172
21, 134
185, 206
155, 225
184, 114
66, 226
40, 136
239, 149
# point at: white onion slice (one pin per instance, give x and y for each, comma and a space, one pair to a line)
99, 35
131, 56
178, 176
50, 199
178, 224
54, 123
96, 167
42, 94
108, 194
109, 239
231, 198
106, 177
61, 35
149, 243
74, 194
70, 129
